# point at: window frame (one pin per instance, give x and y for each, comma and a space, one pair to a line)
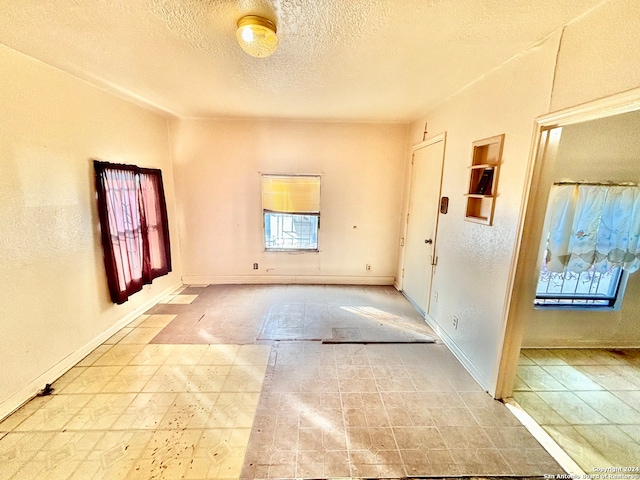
614, 302
154, 258
266, 212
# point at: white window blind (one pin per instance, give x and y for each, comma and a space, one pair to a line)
291, 194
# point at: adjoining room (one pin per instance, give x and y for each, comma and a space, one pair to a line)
283, 239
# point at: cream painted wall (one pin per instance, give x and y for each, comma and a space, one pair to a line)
54, 300
606, 150
599, 55
217, 166
474, 260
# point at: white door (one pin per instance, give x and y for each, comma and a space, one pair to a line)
420, 242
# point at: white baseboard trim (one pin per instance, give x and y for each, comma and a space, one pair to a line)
288, 279
22, 396
459, 354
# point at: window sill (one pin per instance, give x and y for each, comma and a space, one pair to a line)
285, 250
581, 308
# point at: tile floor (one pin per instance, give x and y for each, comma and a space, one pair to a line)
587, 400
189, 391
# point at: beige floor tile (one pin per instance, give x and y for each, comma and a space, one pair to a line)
480, 461
631, 398
157, 321
218, 454
93, 356
531, 461
538, 379
613, 443
578, 448
67, 378
411, 438
118, 355
244, 378
608, 378
452, 417
539, 410
138, 320
511, 437
140, 335
182, 299
608, 356
119, 335
101, 412
489, 417
186, 354
611, 407
632, 430
131, 378
631, 372
466, 437
603, 434
437, 462
90, 380
480, 400
53, 412
578, 356
544, 357
572, 378
153, 355
572, 408
524, 359
253, 355
220, 355
167, 299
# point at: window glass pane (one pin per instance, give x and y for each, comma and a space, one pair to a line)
569, 288
284, 231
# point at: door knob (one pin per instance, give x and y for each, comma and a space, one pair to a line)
429, 241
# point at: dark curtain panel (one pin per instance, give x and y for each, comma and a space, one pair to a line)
134, 226
156, 232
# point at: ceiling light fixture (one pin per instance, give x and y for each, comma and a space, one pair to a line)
257, 36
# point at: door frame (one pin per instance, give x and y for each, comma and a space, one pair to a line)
536, 192
441, 137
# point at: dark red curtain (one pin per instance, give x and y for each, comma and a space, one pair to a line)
134, 226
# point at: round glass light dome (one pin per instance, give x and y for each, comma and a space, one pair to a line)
257, 36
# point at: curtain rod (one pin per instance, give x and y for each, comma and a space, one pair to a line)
600, 184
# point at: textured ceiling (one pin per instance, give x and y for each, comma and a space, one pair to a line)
364, 60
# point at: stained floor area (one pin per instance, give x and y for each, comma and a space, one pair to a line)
202, 387
588, 401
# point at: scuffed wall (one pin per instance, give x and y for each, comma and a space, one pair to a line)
54, 299
217, 168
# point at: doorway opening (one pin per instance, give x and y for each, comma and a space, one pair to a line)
574, 372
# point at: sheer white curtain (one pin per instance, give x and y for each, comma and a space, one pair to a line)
594, 225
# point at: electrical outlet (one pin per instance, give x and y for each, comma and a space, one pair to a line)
455, 322
368, 267
435, 296
255, 266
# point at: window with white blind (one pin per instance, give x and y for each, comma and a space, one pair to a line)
291, 212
